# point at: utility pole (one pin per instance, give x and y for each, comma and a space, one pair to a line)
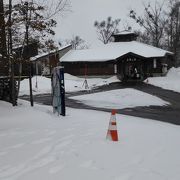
27, 43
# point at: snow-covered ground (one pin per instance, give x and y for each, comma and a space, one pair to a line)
119, 99
171, 81
42, 84
35, 144
72, 83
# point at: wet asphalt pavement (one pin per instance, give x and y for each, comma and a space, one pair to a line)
170, 113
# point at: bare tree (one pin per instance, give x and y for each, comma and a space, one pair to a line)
6, 84
143, 37
55, 7
106, 28
27, 21
3, 48
153, 21
172, 29
42, 21
77, 43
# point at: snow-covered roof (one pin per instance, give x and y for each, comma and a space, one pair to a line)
46, 53
113, 51
125, 32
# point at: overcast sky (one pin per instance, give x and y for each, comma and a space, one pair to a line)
84, 12
80, 21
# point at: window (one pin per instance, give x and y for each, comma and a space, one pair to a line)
115, 68
155, 63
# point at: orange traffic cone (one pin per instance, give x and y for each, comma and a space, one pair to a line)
112, 133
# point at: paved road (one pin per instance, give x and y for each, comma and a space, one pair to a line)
169, 113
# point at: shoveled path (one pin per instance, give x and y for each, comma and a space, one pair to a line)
170, 113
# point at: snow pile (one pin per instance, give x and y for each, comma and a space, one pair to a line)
36, 144
73, 84
120, 99
70, 77
174, 72
41, 85
171, 81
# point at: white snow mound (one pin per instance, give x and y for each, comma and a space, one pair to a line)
171, 81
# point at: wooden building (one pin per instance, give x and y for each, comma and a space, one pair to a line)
43, 64
178, 54
124, 36
125, 57
23, 55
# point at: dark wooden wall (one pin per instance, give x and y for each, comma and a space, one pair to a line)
50, 60
4, 66
89, 68
178, 55
26, 51
23, 54
145, 66
124, 37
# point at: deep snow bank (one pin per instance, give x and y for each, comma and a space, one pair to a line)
41, 85
171, 81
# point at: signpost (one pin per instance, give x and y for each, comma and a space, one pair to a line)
58, 91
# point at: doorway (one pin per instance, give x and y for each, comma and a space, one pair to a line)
133, 69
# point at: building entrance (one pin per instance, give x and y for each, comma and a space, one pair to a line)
133, 69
